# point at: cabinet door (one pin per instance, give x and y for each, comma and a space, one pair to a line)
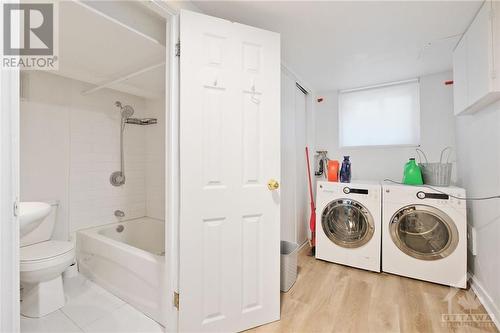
460, 81
479, 53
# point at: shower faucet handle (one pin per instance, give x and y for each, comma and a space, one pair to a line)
119, 213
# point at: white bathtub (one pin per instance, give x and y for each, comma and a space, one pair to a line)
127, 259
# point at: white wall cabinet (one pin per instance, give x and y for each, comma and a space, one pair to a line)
475, 62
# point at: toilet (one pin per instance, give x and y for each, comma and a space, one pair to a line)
42, 262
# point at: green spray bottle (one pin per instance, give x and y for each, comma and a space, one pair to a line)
412, 174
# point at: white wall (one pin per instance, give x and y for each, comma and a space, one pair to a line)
437, 132
478, 140
44, 159
70, 146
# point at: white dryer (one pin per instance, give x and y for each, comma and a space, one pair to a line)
424, 234
348, 221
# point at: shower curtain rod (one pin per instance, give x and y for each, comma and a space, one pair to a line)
123, 78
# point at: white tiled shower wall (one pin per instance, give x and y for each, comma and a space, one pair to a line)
70, 146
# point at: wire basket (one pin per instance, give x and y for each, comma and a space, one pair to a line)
439, 173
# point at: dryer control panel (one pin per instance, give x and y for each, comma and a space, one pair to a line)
439, 198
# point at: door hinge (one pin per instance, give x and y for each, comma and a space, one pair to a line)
176, 300
178, 49
16, 208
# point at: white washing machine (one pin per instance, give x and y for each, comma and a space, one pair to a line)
348, 221
424, 234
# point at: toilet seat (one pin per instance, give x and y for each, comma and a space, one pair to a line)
45, 250
45, 254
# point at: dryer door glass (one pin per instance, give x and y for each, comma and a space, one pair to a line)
347, 223
424, 232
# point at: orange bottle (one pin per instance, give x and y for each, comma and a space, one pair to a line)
333, 171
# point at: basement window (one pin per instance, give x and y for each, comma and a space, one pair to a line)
382, 115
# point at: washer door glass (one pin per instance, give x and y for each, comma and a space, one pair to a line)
424, 232
347, 223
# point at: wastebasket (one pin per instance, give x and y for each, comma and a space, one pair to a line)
289, 252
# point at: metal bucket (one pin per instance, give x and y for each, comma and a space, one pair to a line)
438, 173
289, 253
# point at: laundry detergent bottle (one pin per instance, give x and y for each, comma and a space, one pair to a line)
345, 171
333, 171
412, 174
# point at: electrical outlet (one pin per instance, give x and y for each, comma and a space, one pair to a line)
471, 239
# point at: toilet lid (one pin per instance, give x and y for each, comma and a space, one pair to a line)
45, 250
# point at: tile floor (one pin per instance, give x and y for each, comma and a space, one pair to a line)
90, 308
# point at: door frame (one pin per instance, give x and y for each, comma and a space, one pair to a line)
10, 178
10, 315
9, 194
171, 281
172, 178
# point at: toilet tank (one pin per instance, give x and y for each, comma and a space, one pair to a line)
44, 231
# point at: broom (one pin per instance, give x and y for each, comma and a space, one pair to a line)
312, 219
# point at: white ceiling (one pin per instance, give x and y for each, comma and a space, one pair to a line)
336, 45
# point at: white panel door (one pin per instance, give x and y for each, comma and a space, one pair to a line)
229, 150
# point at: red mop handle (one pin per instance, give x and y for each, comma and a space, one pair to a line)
310, 182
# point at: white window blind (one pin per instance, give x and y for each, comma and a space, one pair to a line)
385, 115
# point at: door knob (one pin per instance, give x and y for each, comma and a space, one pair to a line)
273, 185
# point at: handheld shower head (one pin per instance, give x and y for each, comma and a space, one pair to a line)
126, 110
118, 177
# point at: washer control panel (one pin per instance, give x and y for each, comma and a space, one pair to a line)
348, 190
438, 196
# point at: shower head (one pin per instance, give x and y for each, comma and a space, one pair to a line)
126, 110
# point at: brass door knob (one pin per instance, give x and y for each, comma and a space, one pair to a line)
273, 185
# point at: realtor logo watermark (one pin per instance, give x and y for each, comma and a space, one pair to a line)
29, 35
465, 309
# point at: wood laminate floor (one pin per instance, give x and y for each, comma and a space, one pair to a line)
334, 298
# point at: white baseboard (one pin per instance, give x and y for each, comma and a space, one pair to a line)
486, 300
